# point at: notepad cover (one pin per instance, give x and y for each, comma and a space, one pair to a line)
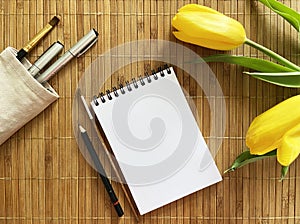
156, 141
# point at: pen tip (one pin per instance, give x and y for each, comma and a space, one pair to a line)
81, 128
54, 21
58, 42
96, 32
78, 91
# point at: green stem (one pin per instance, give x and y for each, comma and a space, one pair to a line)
272, 54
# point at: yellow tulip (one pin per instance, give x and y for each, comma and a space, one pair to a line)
289, 149
277, 128
209, 28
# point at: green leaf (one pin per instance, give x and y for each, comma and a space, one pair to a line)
284, 11
246, 157
284, 171
286, 79
248, 62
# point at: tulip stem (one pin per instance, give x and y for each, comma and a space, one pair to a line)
273, 55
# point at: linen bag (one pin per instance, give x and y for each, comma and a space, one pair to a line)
21, 96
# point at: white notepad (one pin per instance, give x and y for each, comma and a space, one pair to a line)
156, 140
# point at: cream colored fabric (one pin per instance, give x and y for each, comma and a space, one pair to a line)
21, 96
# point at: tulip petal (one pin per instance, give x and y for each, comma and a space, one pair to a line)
290, 146
262, 146
216, 27
197, 8
266, 131
204, 42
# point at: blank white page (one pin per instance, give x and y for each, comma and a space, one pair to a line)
156, 141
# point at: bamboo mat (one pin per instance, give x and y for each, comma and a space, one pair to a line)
45, 179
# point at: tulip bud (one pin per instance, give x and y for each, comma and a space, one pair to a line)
277, 128
289, 149
206, 27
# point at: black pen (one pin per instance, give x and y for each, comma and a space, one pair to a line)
101, 171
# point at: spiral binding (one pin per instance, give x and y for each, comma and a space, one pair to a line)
134, 84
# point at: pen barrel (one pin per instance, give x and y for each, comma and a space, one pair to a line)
84, 43
37, 37
55, 67
45, 58
119, 210
113, 198
33, 70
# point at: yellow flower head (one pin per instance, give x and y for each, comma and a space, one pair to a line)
206, 27
277, 128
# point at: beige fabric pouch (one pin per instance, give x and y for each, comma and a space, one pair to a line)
21, 96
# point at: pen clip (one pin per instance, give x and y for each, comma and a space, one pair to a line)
87, 48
